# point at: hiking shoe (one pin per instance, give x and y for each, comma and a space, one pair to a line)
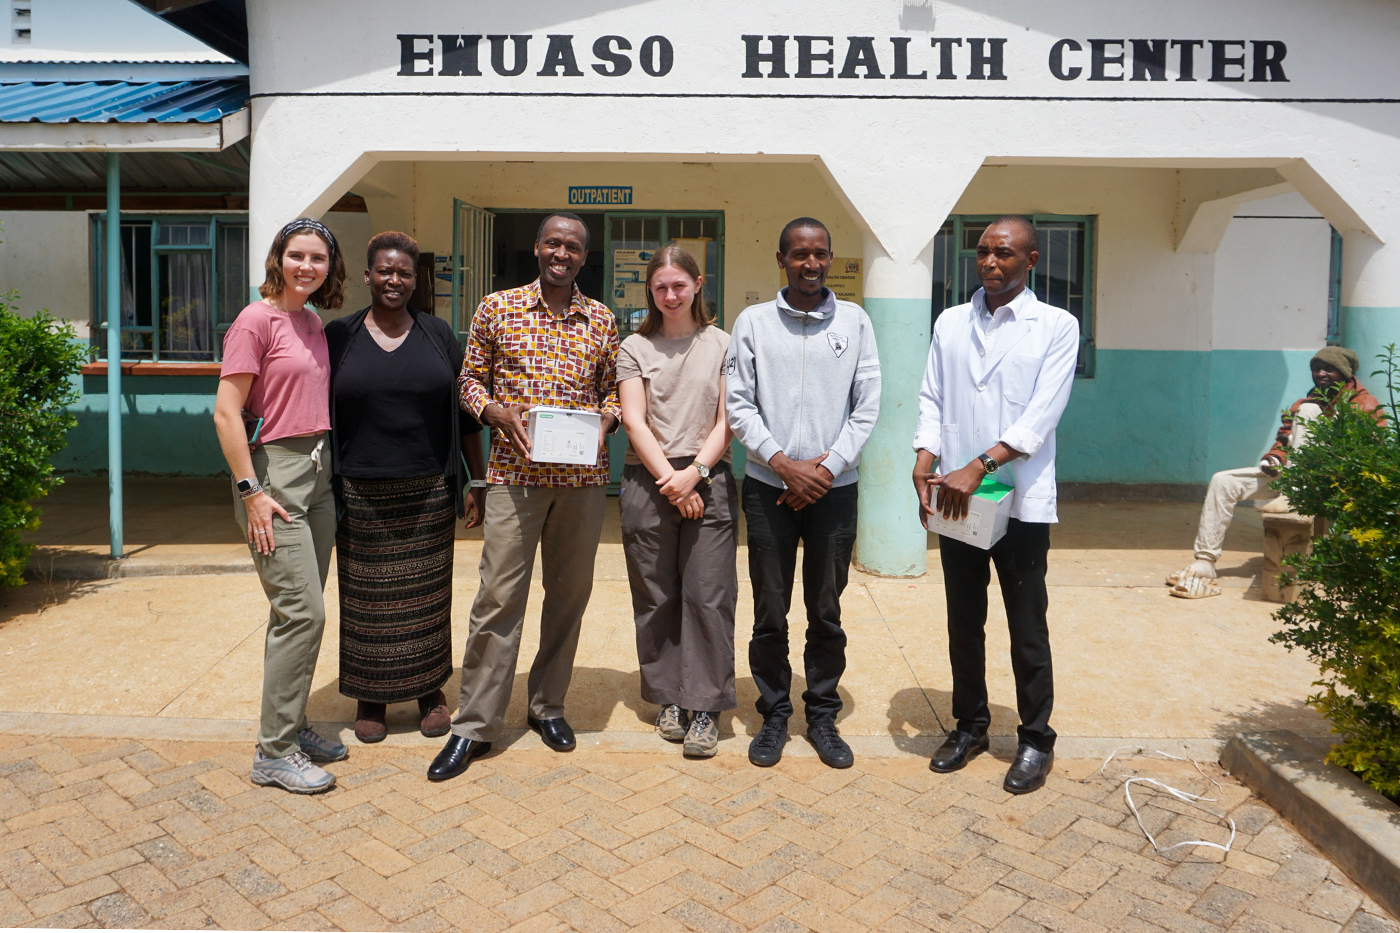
831, 748
320, 749
702, 739
766, 749
294, 773
672, 722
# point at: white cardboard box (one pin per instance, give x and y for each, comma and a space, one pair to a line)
564, 435
988, 510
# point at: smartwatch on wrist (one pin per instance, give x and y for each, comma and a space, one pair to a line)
249, 487
476, 484
703, 470
988, 464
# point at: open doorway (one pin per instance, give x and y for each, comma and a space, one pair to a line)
513, 260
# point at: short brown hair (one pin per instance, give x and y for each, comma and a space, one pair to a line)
330, 296
673, 255
391, 239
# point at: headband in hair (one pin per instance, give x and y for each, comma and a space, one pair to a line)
316, 227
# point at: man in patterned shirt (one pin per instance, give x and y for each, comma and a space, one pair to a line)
543, 344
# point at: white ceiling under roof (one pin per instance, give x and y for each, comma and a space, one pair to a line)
103, 31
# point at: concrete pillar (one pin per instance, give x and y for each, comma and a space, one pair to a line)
1370, 300
899, 299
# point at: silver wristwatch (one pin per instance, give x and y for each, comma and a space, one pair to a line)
248, 487
703, 470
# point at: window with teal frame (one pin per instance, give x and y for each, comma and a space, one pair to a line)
629, 240
1064, 276
184, 280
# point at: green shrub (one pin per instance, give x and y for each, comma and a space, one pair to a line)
1347, 616
38, 358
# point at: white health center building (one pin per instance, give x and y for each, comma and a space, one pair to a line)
1216, 185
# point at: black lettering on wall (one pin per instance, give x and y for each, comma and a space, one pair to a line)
560, 54
861, 54
986, 66
657, 56
498, 55
1099, 60
1057, 60
1186, 65
1221, 60
807, 56
410, 55
618, 64
776, 59
945, 57
901, 59
459, 56
1268, 60
1149, 60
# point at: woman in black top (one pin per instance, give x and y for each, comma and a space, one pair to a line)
400, 438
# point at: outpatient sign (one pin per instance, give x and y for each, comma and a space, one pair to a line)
796, 58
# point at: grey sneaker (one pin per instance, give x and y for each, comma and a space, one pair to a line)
671, 723
295, 773
320, 749
702, 739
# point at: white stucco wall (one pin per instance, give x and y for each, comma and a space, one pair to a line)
44, 256
1271, 277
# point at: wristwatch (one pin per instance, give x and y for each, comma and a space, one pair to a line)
988, 464
703, 470
248, 487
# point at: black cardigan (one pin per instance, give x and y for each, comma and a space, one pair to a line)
341, 333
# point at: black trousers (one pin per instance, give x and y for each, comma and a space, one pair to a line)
827, 532
1021, 558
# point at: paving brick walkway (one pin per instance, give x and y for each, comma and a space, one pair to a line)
172, 835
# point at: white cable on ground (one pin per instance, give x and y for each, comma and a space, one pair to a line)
1195, 800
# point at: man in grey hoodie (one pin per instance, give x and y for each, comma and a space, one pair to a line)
803, 393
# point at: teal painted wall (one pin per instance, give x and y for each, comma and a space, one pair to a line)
167, 427
1368, 331
1176, 416
1147, 416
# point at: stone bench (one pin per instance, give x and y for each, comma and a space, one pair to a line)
1286, 533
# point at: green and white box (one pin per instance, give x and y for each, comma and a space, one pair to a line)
988, 510
564, 435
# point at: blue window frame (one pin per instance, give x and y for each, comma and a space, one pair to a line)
1334, 291
1064, 277
184, 280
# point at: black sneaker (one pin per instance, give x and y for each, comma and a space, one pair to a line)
831, 748
766, 749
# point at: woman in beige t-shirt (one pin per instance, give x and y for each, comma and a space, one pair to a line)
680, 504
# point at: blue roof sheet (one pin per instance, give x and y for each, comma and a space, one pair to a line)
204, 101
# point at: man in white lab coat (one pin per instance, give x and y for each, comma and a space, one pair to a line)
999, 374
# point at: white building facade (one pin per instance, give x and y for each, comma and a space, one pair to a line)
1215, 184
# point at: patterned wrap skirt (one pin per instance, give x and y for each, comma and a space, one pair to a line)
394, 560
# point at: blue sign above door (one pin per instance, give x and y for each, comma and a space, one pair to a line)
599, 195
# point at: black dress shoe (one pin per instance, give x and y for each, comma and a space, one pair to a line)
957, 750
555, 732
455, 756
1028, 771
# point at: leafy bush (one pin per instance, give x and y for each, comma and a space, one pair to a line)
1347, 616
38, 358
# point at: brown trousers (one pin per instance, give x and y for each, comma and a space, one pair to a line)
564, 522
684, 587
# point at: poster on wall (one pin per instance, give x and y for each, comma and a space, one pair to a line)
845, 279
629, 287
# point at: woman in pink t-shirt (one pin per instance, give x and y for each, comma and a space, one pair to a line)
272, 413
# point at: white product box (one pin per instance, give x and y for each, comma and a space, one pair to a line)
564, 435
988, 510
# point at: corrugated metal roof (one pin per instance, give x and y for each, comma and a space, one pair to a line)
214, 171
204, 101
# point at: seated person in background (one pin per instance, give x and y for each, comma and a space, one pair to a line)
1334, 376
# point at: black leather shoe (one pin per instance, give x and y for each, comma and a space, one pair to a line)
1028, 771
957, 750
555, 732
455, 757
